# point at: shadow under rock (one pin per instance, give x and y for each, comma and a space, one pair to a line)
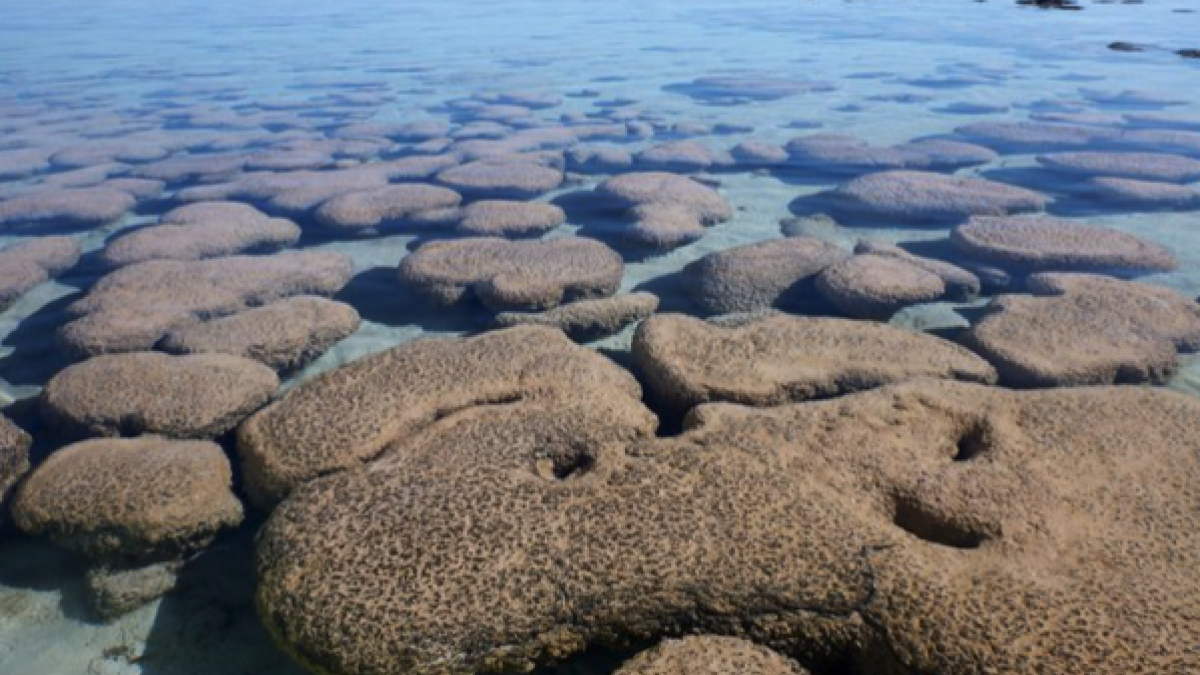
379, 297
37, 565
208, 623
36, 353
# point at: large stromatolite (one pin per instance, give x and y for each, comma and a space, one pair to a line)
924, 527
1080, 329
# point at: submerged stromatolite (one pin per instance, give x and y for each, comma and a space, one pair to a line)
1044, 243
26, 264
921, 197
1079, 329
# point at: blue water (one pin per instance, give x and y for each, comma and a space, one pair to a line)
886, 72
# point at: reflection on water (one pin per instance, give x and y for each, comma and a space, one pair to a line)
842, 122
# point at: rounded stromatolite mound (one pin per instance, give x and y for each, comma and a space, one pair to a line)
14, 461
711, 655
1044, 243
143, 499
928, 527
876, 287
587, 319
285, 335
513, 274
1148, 166
662, 227
665, 190
132, 308
71, 209
686, 156
205, 230
368, 210
498, 179
847, 154
498, 218
26, 264
775, 359
919, 197
349, 416
759, 276
1079, 329
195, 396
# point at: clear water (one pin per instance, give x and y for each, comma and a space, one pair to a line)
895, 70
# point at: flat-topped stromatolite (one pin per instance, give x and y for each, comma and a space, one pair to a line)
31, 262
869, 286
203, 230
132, 308
370, 209
513, 275
194, 396
920, 197
775, 359
1149, 166
928, 527
285, 335
1080, 329
143, 499
501, 179
70, 209
1044, 243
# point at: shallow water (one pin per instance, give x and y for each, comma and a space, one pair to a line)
885, 72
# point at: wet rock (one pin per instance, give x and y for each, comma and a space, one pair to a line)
493, 179
665, 189
758, 276
846, 154
350, 416
595, 159
919, 197
71, 209
772, 359
1035, 136
1080, 329
513, 275
837, 531
381, 207
29, 263
876, 287
206, 168
195, 396
114, 592
1142, 194
204, 230
662, 227
285, 335
757, 153
145, 499
132, 308
14, 462
733, 89
685, 156
587, 320
497, 218
712, 655
1145, 166
960, 284
1044, 243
